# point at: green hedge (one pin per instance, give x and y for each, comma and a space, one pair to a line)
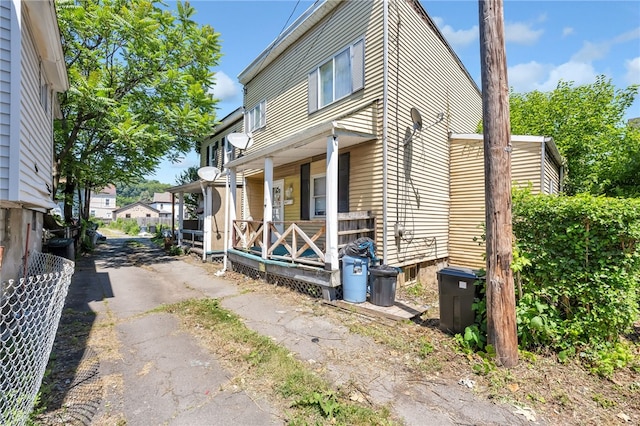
581, 273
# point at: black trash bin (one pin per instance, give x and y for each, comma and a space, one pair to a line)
63, 247
383, 285
457, 291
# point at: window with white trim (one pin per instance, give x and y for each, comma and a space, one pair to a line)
256, 117
338, 77
319, 195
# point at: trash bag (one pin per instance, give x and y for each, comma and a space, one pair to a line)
362, 247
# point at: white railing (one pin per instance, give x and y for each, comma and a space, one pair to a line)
30, 310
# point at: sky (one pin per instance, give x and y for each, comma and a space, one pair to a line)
546, 41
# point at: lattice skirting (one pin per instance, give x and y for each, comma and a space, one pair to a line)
310, 289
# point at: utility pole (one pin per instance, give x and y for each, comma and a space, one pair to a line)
501, 312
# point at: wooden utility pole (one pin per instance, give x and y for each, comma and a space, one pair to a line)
501, 312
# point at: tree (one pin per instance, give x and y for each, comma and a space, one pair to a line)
588, 126
139, 76
139, 191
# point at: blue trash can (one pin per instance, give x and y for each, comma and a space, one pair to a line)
355, 274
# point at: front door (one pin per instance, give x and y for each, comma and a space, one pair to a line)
278, 207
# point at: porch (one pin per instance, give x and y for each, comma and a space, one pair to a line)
295, 251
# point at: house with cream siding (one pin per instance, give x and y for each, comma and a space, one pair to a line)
207, 233
336, 152
32, 73
137, 210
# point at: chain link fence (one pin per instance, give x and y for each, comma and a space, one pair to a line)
30, 309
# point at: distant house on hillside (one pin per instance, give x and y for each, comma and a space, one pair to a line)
103, 203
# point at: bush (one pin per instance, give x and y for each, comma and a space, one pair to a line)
128, 226
580, 284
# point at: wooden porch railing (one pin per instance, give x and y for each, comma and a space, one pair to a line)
301, 241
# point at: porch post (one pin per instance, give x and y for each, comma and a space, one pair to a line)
180, 218
232, 202
331, 255
268, 204
208, 209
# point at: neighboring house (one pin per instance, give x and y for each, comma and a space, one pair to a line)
165, 204
103, 203
206, 234
32, 73
136, 210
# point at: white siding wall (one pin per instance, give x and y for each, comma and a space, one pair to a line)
9, 44
36, 129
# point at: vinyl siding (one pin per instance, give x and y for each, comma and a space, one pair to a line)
423, 74
36, 129
551, 176
284, 82
467, 215
7, 19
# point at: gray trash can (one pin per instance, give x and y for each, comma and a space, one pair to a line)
383, 285
457, 291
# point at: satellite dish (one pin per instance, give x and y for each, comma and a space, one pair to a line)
416, 118
208, 173
240, 140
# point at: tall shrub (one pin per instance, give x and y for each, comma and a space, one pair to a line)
581, 283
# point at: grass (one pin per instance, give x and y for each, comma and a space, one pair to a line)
307, 398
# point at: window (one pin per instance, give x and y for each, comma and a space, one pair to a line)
92, 213
310, 196
128, 215
319, 195
106, 202
256, 117
338, 77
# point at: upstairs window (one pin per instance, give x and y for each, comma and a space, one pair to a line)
256, 117
212, 154
340, 76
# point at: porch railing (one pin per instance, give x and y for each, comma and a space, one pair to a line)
299, 241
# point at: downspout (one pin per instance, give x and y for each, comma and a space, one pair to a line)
385, 98
226, 212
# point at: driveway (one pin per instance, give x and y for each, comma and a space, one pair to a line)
136, 366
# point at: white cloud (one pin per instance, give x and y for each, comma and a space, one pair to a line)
457, 38
591, 52
633, 70
521, 33
525, 77
577, 72
535, 76
225, 88
567, 31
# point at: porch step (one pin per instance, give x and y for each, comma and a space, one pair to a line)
399, 311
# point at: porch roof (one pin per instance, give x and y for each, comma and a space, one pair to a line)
305, 144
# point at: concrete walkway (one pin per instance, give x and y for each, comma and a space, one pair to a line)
167, 378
